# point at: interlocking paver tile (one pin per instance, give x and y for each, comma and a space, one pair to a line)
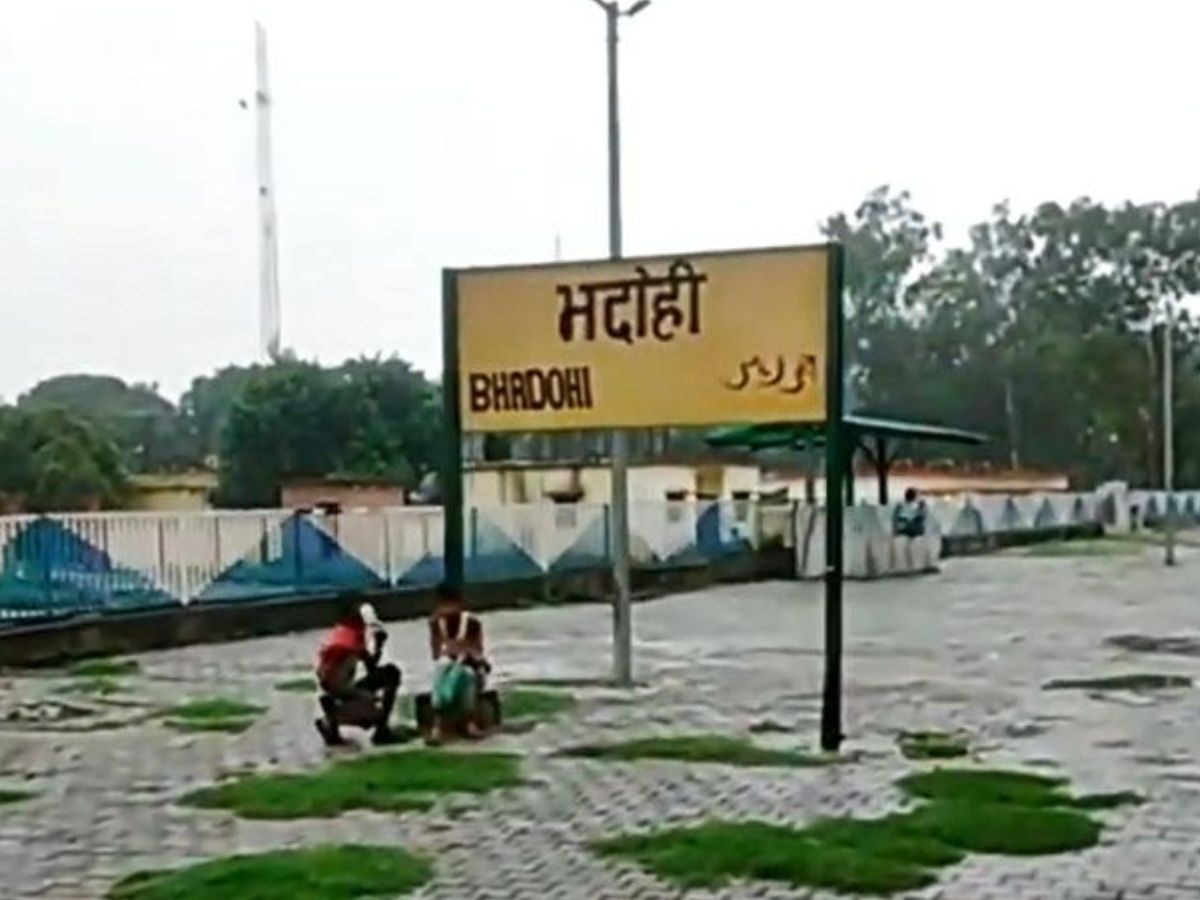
968, 649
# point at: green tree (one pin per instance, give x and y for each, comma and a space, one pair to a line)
52, 460
402, 434
205, 406
367, 418
142, 424
887, 241
1043, 330
283, 424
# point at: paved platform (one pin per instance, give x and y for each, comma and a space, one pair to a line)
969, 649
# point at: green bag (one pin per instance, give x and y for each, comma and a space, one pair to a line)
452, 687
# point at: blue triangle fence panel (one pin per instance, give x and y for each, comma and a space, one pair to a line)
56, 567
969, 521
492, 552
1010, 518
300, 559
1046, 516
428, 571
591, 548
727, 528
1153, 513
413, 539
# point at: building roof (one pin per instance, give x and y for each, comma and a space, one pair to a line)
598, 461
179, 481
343, 481
811, 434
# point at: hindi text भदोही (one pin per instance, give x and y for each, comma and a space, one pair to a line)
633, 309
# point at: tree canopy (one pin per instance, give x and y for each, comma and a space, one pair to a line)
141, 424
1040, 328
368, 418
52, 460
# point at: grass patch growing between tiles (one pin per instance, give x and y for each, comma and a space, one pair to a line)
530, 705
299, 685
330, 872
1135, 681
924, 745
386, 782
963, 811
1092, 547
520, 706
7, 796
212, 714
91, 686
105, 668
700, 748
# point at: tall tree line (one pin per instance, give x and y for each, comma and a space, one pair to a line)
73, 441
1041, 329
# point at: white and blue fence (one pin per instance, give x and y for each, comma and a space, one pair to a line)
872, 550
63, 565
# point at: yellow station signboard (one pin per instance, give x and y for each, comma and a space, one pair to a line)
708, 339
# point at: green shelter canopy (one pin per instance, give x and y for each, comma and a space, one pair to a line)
797, 435
870, 434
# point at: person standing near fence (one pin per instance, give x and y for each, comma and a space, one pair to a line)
908, 518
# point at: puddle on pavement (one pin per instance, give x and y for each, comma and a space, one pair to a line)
1174, 645
1166, 760
1123, 698
573, 683
1189, 776
1052, 718
1140, 684
43, 711
1040, 762
42, 714
770, 726
1025, 730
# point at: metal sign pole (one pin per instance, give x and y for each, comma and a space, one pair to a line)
623, 602
454, 558
835, 456
1168, 393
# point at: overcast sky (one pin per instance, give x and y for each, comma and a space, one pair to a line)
412, 135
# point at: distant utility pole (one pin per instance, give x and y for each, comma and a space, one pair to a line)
1168, 393
268, 263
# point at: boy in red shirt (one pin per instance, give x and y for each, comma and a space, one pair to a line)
358, 637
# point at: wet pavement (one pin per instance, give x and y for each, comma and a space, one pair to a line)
967, 650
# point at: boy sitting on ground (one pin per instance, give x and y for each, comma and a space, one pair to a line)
358, 637
460, 666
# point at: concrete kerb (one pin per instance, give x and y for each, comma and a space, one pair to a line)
61, 640
977, 544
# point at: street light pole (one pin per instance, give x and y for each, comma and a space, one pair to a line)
612, 17
1168, 392
623, 605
